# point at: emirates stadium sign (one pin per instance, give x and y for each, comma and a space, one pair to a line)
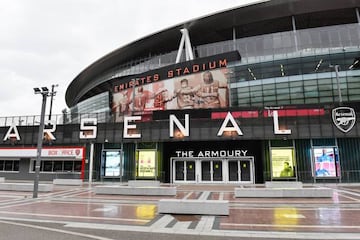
201, 83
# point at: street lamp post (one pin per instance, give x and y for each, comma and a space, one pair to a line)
44, 91
336, 67
52, 94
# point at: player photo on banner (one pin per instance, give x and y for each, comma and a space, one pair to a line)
146, 98
208, 89
324, 162
282, 163
204, 90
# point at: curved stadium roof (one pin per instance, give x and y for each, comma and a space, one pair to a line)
257, 19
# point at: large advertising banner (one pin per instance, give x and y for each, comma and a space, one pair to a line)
324, 162
197, 84
146, 163
282, 163
202, 90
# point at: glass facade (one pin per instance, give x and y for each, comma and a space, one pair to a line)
282, 68
254, 49
58, 166
96, 106
293, 81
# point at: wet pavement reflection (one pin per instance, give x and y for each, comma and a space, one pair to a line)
339, 214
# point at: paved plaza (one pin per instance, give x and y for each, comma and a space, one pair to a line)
79, 212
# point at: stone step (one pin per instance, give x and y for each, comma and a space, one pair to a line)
283, 192
193, 206
139, 191
25, 187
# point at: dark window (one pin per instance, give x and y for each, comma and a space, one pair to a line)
16, 165
77, 166
55, 166
9, 165
68, 165
47, 166
58, 166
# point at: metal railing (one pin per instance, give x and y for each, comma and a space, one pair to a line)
59, 119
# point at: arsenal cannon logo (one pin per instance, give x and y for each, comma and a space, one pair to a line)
344, 118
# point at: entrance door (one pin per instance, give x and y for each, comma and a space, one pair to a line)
233, 171
217, 171
184, 170
190, 170
245, 169
211, 171
240, 170
206, 171
179, 171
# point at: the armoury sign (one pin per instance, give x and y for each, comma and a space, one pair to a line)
212, 153
344, 118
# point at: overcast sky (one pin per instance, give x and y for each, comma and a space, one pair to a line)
45, 42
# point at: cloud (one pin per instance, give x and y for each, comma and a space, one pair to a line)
50, 42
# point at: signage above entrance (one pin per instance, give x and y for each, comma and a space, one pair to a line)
212, 153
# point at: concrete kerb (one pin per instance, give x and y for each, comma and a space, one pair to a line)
143, 183
136, 191
70, 182
26, 187
283, 184
193, 206
284, 190
283, 193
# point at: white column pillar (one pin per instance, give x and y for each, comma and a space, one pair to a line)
91, 162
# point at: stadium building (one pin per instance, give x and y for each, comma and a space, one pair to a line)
264, 92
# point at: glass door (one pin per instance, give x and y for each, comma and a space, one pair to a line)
211, 171
206, 171
217, 171
245, 169
179, 171
214, 170
184, 170
233, 167
240, 170
190, 170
